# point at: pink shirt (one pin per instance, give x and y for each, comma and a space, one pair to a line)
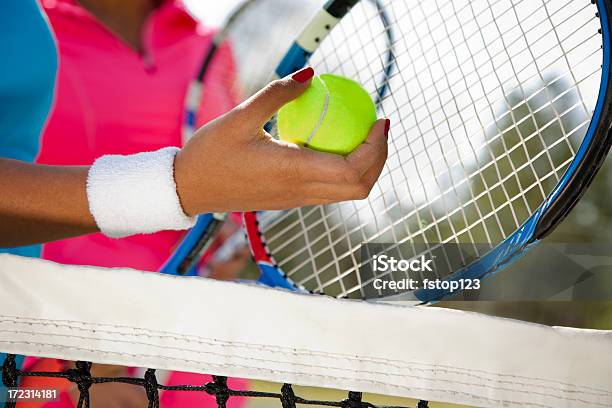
112, 100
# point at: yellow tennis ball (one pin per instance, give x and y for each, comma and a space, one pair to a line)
333, 115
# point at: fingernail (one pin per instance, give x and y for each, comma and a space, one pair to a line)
303, 75
387, 127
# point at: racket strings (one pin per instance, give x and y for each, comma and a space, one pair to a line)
531, 116
488, 100
467, 88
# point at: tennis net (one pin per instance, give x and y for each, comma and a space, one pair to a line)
236, 330
81, 376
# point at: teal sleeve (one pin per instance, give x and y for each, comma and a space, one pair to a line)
27, 82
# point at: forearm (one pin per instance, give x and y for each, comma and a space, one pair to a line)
40, 203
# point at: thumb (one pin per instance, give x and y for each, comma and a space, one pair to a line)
265, 103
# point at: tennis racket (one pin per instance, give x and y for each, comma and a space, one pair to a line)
500, 113
255, 49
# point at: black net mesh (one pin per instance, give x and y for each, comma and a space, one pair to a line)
81, 376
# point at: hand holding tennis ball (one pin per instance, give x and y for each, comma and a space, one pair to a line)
233, 164
333, 115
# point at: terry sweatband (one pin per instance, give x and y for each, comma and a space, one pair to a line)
136, 194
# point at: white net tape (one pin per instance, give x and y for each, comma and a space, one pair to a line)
127, 317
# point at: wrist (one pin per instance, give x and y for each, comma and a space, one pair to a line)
184, 185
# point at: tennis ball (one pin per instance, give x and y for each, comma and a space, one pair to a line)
333, 115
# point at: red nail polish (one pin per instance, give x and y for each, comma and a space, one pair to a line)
387, 127
303, 75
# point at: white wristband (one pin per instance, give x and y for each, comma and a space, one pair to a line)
136, 194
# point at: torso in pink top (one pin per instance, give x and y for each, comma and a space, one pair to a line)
112, 100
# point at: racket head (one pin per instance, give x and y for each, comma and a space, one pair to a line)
500, 120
